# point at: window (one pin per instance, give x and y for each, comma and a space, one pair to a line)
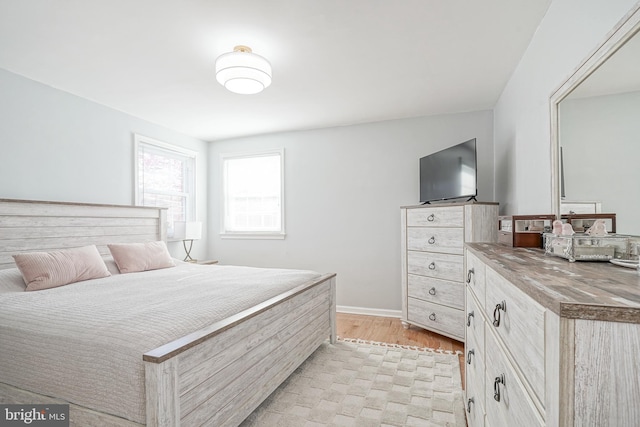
165, 176
253, 195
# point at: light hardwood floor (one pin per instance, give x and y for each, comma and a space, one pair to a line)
390, 330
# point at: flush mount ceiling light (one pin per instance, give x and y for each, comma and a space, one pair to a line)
242, 71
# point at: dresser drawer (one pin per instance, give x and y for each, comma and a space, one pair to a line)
452, 216
433, 239
447, 320
475, 321
519, 322
514, 407
473, 409
443, 292
474, 361
474, 370
439, 266
475, 276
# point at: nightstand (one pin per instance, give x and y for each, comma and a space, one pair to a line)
207, 262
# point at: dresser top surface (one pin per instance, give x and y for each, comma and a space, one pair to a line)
445, 204
578, 290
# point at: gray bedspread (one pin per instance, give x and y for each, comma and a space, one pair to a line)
84, 342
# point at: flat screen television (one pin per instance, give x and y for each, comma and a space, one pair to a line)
450, 173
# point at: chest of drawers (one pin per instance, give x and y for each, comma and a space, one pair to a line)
433, 261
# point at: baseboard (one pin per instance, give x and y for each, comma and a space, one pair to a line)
369, 311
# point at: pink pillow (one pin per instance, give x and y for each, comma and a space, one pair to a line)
44, 270
133, 257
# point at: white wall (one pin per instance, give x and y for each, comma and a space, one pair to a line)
60, 147
570, 31
344, 187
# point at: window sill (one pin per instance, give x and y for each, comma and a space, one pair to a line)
253, 236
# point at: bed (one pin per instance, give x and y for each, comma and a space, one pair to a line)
201, 358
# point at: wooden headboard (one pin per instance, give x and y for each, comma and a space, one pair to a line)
28, 226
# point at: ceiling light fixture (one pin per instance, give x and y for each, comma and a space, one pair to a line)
242, 71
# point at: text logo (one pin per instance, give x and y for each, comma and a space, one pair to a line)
34, 415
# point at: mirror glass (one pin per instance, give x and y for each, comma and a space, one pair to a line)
598, 133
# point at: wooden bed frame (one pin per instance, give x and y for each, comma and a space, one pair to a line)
214, 376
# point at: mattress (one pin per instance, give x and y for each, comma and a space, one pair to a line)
84, 342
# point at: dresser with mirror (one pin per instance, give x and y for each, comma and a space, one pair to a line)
550, 342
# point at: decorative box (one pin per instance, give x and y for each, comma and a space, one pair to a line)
581, 222
524, 231
582, 247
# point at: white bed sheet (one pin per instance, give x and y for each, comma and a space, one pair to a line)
84, 342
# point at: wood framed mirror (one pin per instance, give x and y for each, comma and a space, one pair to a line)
595, 130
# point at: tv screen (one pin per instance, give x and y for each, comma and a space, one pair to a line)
450, 173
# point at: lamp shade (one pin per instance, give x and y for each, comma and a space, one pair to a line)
189, 230
242, 71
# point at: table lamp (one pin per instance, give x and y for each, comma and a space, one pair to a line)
187, 231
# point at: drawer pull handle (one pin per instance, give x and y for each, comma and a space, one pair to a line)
496, 387
432, 316
432, 291
430, 218
496, 313
432, 240
469, 316
471, 271
469, 402
432, 266
469, 354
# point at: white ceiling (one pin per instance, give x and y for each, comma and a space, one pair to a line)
335, 62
